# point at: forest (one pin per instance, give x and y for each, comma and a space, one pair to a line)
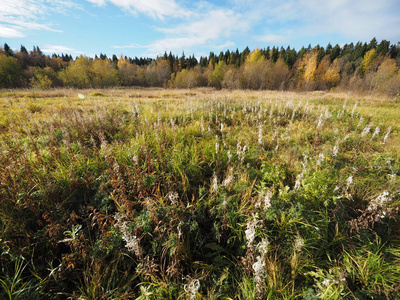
361, 67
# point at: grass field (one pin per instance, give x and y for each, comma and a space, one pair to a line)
198, 194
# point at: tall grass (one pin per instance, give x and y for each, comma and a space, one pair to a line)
153, 195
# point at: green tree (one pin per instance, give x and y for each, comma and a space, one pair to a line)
42, 78
215, 78
103, 73
10, 71
77, 73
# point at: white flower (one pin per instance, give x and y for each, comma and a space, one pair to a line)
229, 155
192, 287
215, 183
376, 132
320, 159
250, 232
335, 150
227, 181
173, 197
260, 135
378, 206
267, 200
298, 243
326, 282
320, 120
387, 134
366, 130
354, 108
349, 181
259, 269
262, 247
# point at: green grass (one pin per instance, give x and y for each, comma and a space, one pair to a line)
155, 194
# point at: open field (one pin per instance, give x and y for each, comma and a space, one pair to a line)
198, 194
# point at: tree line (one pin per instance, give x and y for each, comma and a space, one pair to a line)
369, 66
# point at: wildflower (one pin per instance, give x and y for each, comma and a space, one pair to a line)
387, 134
326, 282
376, 132
250, 232
301, 175
228, 180
335, 150
229, 155
346, 137
192, 287
259, 271
366, 130
260, 135
378, 206
327, 114
320, 159
262, 247
392, 178
320, 120
298, 243
354, 108
349, 181
132, 242
173, 197
266, 198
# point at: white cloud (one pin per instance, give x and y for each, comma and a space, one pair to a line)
272, 38
134, 45
226, 45
206, 28
10, 32
97, 2
310, 19
153, 8
50, 49
19, 16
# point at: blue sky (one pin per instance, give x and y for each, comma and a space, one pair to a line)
147, 28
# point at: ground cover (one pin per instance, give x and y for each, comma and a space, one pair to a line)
198, 194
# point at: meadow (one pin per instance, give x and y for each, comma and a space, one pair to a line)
198, 194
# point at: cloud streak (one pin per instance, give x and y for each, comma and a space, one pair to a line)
153, 8
19, 16
50, 49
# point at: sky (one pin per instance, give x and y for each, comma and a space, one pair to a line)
148, 28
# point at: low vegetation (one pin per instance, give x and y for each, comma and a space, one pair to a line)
198, 194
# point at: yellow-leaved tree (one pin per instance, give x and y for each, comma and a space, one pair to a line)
127, 72
103, 73
332, 75
368, 62
76, 74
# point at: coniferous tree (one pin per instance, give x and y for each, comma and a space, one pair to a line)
334, 53
7, 50
383, 47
